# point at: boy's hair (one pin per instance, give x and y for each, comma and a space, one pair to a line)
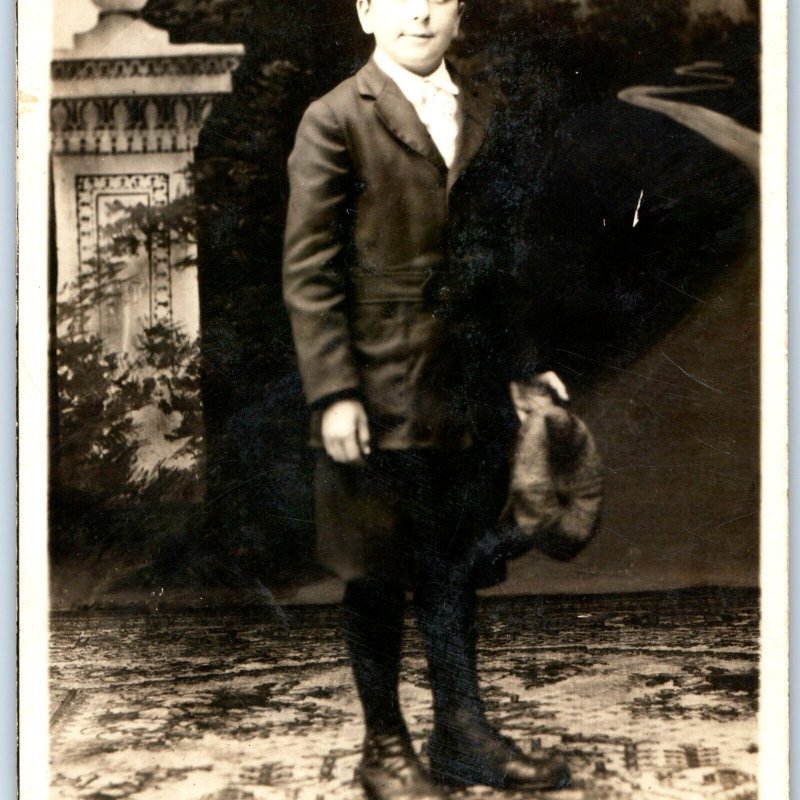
461, 3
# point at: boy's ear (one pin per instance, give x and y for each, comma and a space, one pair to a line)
461, 7
362, 7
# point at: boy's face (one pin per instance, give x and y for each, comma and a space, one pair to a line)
413, 33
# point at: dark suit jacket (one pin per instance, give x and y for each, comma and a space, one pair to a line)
394, 266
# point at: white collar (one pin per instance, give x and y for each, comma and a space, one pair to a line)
411, 84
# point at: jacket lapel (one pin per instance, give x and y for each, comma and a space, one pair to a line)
400, 118
476, 111
397, 113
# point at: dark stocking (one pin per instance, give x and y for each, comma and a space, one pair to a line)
445, 611
373, 627
463, 748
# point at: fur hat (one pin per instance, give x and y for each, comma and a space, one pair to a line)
556, 483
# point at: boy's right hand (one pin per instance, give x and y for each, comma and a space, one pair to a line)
345, 431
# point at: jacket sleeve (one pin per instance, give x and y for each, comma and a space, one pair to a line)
315, 245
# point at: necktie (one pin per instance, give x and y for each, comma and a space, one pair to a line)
439, 114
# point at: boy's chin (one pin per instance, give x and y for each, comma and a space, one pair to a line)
421, 67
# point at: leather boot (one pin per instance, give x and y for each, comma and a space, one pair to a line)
390, 770
477, 754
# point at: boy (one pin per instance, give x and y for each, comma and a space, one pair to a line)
395, 291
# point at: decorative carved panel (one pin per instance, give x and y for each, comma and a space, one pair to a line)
131, 124
168, 66
127, 266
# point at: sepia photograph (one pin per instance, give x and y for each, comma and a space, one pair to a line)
402, 400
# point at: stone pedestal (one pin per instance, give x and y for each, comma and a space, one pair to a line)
126, 112
127, 108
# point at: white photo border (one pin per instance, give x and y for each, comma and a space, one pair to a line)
33, 82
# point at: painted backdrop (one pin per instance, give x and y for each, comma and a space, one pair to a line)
645, 249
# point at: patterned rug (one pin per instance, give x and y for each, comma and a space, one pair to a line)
648, 696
